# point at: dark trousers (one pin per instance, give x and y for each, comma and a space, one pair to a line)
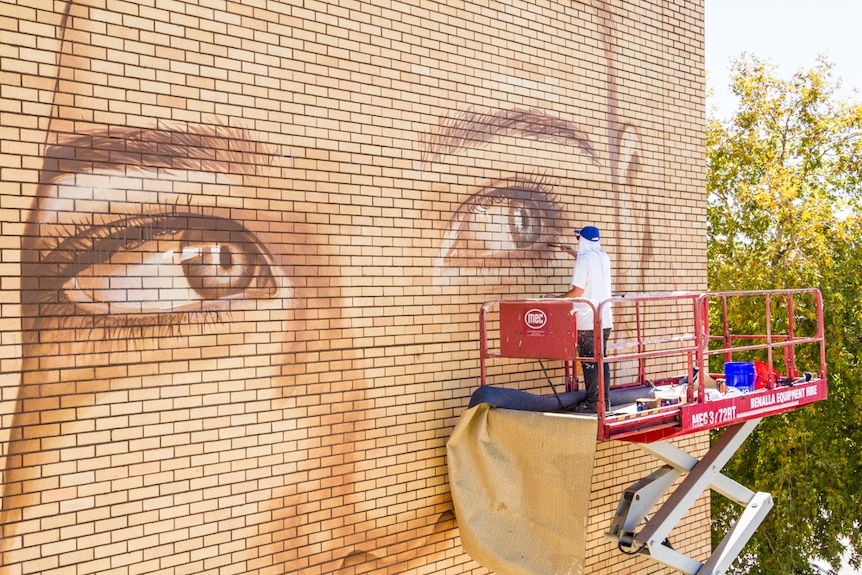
587, 348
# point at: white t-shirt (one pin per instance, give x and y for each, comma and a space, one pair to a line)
592, 272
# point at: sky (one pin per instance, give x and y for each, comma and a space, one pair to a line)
789, 33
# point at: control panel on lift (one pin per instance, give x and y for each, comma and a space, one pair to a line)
543, 328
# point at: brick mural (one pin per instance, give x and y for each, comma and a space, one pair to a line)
244, 246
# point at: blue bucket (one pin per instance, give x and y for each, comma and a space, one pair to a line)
739, 374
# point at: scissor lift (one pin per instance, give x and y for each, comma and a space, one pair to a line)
792, 326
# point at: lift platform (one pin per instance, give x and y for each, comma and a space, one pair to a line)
668, 354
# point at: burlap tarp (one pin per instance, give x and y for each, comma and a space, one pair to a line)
521, 485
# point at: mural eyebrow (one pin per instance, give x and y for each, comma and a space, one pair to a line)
206, 148
473, 129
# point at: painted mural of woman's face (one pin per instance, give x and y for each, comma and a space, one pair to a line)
233, 295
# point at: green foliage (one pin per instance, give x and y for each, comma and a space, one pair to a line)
783, 197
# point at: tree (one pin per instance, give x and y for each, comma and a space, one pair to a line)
784, 185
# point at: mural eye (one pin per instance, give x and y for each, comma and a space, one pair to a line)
163, 264
499, 221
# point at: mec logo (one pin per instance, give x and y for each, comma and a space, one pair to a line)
535, 318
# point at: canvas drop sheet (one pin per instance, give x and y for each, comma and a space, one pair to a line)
521, 484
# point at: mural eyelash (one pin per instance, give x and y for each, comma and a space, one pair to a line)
107, 327
90, 245
67, 233
538, 188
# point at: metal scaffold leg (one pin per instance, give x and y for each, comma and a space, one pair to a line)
642, 496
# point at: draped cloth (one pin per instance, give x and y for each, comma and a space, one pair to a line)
521, 483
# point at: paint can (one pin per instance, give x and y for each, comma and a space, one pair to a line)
739, 374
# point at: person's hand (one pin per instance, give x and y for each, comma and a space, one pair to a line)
565, 248
569, 250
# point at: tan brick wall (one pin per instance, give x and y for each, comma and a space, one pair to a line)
244, 245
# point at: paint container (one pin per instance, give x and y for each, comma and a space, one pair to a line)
739, 374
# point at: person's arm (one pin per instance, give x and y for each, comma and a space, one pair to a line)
574, 291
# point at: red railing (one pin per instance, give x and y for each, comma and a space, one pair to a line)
684, 344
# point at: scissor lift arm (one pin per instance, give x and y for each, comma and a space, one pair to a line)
642, 496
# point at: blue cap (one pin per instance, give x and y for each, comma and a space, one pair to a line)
589, 232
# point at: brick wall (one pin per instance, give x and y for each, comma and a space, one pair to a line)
244, 245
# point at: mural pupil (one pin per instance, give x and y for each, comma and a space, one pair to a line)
222, 258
